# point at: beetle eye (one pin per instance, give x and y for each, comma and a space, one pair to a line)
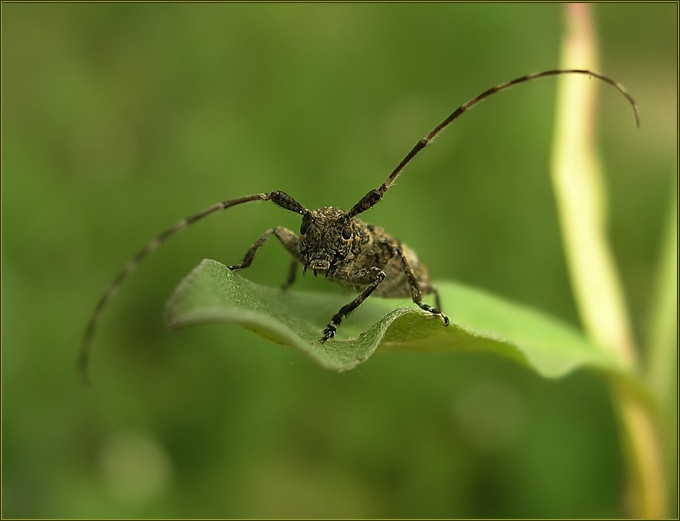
347, 233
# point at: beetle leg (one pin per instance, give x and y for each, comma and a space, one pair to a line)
416, 293
292, 273
289, 240
378, 276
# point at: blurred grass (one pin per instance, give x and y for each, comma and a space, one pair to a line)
582, 201
118, 119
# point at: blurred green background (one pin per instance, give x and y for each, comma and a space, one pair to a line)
120, 119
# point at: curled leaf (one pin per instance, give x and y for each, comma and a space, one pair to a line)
211, 293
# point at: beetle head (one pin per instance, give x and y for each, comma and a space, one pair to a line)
326, 238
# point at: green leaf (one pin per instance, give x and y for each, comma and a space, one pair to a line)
211, 293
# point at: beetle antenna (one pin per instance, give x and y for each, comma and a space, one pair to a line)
372, 197
280, 198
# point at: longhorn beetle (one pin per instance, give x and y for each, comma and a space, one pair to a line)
348, 251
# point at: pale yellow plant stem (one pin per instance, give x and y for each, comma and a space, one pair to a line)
582, 208
578, 182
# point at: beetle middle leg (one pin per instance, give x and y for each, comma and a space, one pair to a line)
292, 274
415, 287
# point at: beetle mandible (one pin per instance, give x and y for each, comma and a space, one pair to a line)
334, 242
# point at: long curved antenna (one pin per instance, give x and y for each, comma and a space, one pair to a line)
372, 197
280, 198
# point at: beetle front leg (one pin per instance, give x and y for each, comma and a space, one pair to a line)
289, 240
378, 276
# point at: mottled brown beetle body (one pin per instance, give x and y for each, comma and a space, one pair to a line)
352, 253
346, 250
369, 246
379, 249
